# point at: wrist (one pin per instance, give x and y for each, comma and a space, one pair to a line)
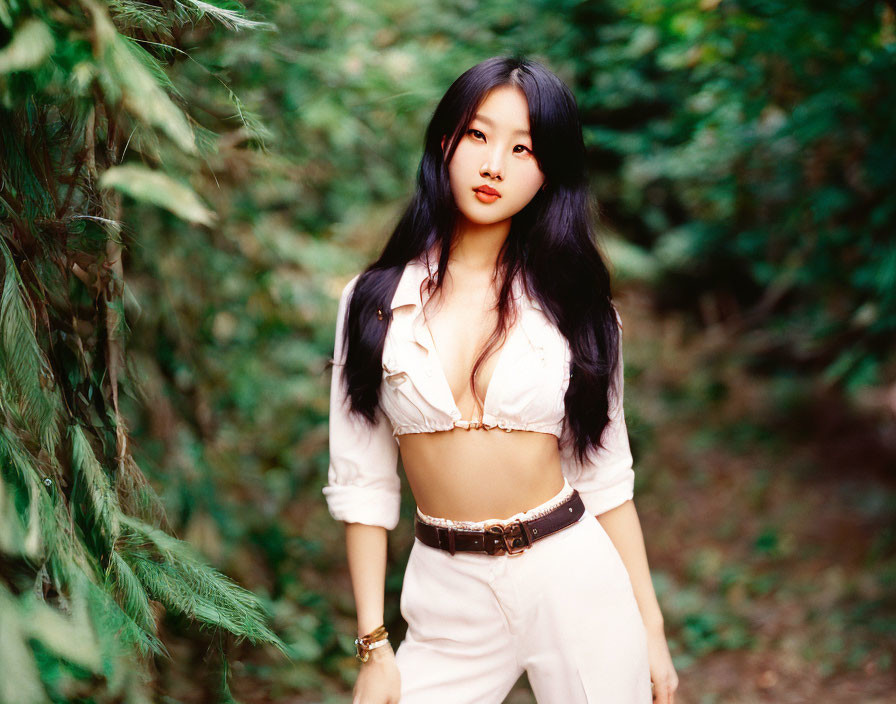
367, 625
378, 655
370, 642
654, 624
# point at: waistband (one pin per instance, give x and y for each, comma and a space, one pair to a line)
534, 512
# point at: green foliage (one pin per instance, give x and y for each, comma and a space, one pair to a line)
27, 384
742, 146
154, 187
27, 619
172, 573
87, 569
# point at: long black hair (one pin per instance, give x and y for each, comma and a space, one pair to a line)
550, 245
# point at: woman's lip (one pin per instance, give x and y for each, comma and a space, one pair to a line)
484, 197
487, 190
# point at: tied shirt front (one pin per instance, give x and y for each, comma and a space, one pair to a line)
525, 392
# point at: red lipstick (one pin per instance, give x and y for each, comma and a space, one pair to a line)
486, 194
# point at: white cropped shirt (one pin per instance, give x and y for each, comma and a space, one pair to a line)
525, 392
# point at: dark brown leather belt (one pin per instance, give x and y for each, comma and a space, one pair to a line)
497, 537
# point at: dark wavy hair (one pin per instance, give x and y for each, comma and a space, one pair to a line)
550, 245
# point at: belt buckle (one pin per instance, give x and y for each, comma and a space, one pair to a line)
504, 530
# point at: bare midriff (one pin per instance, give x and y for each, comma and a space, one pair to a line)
475, 475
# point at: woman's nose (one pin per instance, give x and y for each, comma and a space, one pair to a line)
494, 167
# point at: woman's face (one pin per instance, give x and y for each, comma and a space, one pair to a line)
495, 151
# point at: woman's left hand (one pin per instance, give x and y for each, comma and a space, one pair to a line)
662, 673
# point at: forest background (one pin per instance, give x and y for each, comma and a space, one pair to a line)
186, 187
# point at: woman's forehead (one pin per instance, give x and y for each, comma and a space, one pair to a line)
505, 107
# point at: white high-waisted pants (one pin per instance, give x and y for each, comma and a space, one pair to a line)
563, 611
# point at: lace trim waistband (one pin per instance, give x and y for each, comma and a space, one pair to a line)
534, 512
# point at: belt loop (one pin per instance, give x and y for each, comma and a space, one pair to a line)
451, 539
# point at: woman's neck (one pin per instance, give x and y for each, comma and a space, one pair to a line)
475, 247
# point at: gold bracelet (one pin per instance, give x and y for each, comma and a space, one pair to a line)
377, 638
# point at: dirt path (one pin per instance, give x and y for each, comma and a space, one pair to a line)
769, 526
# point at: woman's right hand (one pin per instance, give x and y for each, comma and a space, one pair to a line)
378, 681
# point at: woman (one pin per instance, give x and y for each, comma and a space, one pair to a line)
483, 345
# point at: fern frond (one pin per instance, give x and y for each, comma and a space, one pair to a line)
136, 495
34, 505
140, 630
151, 19
177, 577
12, 524
253, 123
121, 75
115, 629
231, 19
132, 596
29, 383
68, 561
18, 171
149, 62
93, 484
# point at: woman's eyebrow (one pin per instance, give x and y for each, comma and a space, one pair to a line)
491, 123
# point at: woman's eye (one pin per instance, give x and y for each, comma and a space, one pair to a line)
477, 134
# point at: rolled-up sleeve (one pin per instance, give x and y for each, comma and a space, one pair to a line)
362, 480
607, 478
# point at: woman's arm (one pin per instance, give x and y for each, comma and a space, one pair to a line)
379, 681
366, 552
622, 525
364, 492
624, 528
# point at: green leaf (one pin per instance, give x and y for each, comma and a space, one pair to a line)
159, 189
31, 44
122, 75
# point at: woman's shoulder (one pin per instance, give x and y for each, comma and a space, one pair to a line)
348, 288
411, 271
